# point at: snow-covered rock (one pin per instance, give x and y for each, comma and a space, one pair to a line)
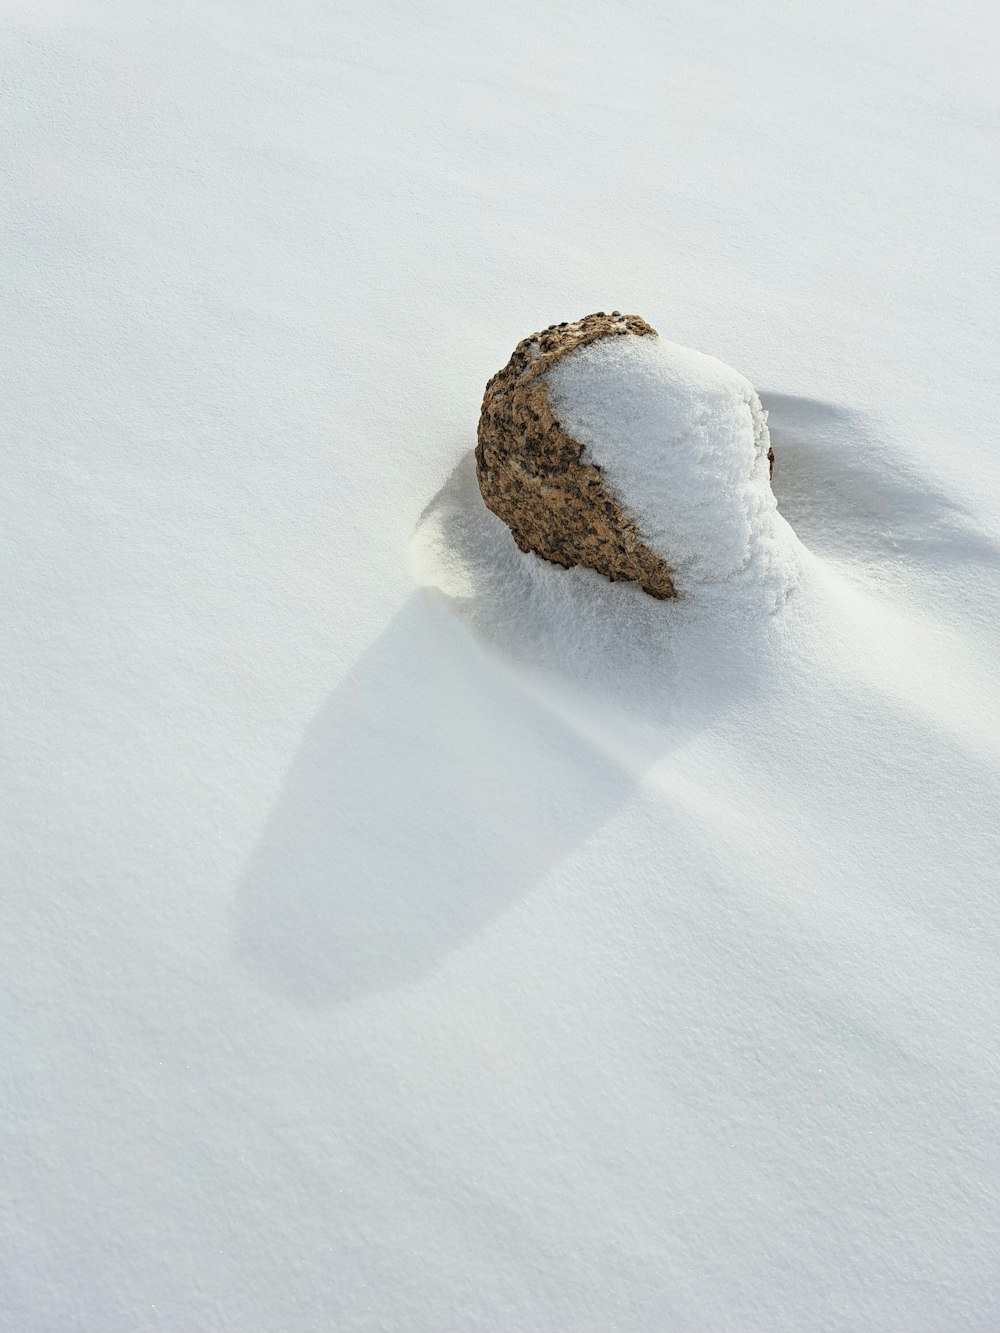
602, 444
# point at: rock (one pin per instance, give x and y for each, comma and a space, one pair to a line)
603, 445
532, 474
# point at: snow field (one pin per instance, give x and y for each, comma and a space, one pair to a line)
399, 933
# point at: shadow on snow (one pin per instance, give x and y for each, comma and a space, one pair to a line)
510, 709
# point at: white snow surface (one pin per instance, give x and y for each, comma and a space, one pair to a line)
399, 932
683, 441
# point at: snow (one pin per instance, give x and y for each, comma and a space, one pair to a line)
683, 441
399, 932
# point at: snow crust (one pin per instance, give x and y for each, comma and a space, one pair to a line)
683, 440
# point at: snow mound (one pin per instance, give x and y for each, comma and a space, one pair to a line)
683, 441
576, 635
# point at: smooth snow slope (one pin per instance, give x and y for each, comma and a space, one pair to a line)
399, 933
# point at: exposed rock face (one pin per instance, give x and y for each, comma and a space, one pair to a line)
531, 473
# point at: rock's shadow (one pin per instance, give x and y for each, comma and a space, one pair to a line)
427, 795
511, 707
451, 770
850, 494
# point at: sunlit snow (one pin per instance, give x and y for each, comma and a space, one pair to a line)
398, 932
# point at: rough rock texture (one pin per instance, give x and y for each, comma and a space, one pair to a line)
531, 474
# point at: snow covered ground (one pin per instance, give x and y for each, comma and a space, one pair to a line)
399, 933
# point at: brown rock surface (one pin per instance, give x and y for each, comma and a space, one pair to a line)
530, 470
